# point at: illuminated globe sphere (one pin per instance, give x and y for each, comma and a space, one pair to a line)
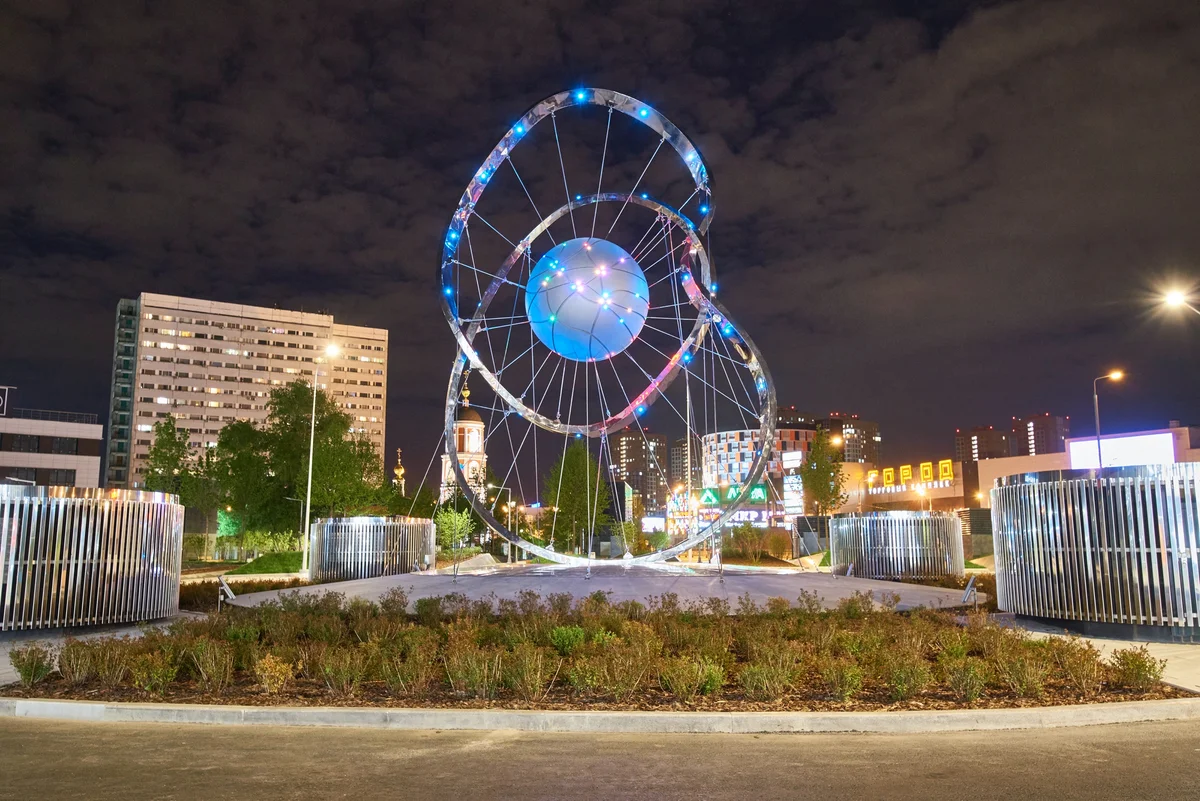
587, 299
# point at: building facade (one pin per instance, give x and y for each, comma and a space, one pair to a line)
46, 448
682, 457
729, 455
861, 441
210, 363
982, 442
640, 459
469, 440
1044, 433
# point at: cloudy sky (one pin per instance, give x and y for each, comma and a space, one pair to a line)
935, 214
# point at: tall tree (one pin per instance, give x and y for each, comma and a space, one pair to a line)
578, 497
821, 475
167, 461
454, 527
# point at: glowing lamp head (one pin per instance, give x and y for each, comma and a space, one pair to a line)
1175, 298
332, 350
594, 304
1116, 375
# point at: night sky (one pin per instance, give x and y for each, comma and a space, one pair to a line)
935, 214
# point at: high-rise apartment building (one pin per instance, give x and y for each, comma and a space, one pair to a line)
640, 459
982, 442
729, 455
1040, 434
210, 363
680, 458
861, 441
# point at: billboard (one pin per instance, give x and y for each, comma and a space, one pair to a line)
1135, 449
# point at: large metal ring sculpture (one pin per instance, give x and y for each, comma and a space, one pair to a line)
589, 301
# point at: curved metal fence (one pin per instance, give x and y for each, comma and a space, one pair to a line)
346, 548
897, 545
1122, 548
73, 556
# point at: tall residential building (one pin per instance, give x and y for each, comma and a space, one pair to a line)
982, 442
1040, 434
641, 459
211, 363
680, 456
861, 441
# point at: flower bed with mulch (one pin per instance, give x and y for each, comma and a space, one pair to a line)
560, 653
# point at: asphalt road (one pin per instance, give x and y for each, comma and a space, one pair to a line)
40, 759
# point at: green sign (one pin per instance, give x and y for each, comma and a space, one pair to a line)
709, 497
713, 496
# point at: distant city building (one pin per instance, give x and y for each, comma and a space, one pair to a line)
861, 441
48, 448
469, 441
729, 455
1044, 433
790, 418
641, 459
210, 364
982, 442
680, 456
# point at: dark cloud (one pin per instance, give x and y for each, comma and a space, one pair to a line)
934, 213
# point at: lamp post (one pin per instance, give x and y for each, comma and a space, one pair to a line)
331, 350
1115, 375
1177, 299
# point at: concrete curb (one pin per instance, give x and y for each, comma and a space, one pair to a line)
610, 722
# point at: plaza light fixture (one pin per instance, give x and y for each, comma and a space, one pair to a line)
331, 350
836, 441
1112, 375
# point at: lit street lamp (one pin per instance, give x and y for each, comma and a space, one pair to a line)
1115, 375
1177, 299
331, 350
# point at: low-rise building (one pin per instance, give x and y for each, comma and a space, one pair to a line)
50, 448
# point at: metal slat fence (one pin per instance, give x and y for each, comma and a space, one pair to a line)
897, 545
347, 548
72, 556
1122, 548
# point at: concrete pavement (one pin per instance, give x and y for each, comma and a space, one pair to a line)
98, 761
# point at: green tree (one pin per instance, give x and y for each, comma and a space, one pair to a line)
453, 526
167, 460
821, 475
580, 498
200, 487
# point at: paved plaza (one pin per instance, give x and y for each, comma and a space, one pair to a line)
636, 583
100, 761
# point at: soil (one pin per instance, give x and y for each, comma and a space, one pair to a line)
304, 692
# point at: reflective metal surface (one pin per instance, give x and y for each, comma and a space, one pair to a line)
893, 545
73, 556
1122, 548
346, 548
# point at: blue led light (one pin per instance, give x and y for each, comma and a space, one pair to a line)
580, 94
641, 410
704, 209
578, 435
645, 196
448, 291
454, 234
687, 357
519, 128
579, 197
643, 113
553, 318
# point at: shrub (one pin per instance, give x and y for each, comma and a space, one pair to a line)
75, 663
585, 674
282, 628
1135, 669
273, 674
966, 677
953, 644
473, 671
326, 628
687, 676
394, 602
1023, 673
33, 662
213, 663
343, 670
809, 603
762, 682
778, 606
1080, 663
112, 659
603, 638
842, 679
857, 606
409, 666
527, 671
310, 659
567, 639
153, 671
429, 611
907, 676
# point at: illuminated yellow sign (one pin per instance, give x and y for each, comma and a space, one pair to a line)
927, 471
889, 476
872, 476
946, 470
906, 474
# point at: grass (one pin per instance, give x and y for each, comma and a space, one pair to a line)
969, 565
281, 562
825, 560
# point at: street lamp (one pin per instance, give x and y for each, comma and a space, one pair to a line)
331, 350
1177, 299
1115, 375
